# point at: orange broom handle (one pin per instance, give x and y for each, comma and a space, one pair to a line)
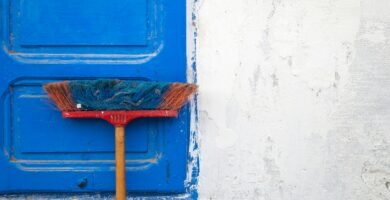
120, 162
120, 119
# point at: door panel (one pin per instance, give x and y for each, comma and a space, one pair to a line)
78, 23
45, 40
88, 30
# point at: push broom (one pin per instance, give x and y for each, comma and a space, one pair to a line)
119, 102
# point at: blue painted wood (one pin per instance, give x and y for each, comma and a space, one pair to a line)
45, 40
86, 22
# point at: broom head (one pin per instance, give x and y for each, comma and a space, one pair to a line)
100, 95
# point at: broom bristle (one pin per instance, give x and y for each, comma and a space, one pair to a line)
60, 93
118, 95
176, 96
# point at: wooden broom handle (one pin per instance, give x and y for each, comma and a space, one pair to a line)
120, 163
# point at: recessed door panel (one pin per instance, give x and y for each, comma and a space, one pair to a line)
38, 128
79, 22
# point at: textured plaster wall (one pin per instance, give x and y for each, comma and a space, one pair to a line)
294, 99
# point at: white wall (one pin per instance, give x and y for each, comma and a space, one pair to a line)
294, 99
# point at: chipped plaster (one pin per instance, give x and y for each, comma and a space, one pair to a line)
294, 99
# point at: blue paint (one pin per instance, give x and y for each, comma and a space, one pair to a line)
193, 158
44, 23
40, 151
126, 31
118, 94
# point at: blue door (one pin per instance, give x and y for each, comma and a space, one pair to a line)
47, 40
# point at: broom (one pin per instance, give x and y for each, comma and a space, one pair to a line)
119, 102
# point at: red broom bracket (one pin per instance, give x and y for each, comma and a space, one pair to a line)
120, 118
